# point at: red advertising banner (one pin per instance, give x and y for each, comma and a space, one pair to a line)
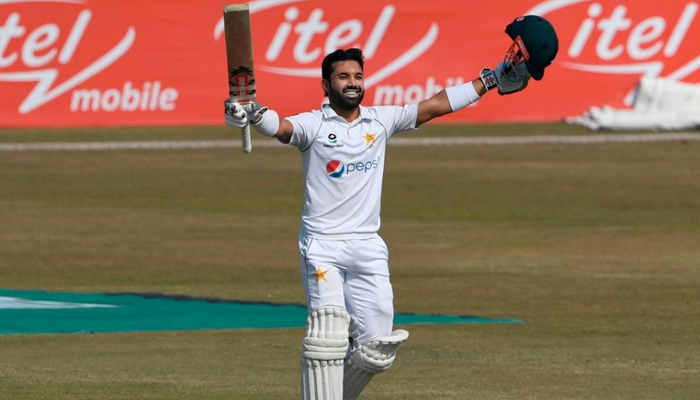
121, 62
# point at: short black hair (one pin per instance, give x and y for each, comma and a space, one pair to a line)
353, 54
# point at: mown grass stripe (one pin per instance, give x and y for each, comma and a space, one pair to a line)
398, 141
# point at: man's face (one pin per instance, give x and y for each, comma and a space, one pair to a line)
346, 87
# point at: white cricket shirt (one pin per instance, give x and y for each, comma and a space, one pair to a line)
343, 166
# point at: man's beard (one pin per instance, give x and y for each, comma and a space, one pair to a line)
336, 97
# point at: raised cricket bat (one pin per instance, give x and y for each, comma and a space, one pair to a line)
239, 56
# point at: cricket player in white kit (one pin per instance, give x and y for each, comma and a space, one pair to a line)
343, 260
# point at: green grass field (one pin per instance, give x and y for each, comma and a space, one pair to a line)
596, 247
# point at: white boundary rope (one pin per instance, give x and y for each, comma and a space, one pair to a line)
397, 141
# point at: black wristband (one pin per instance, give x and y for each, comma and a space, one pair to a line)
488, 78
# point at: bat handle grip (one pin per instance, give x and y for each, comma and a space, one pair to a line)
247, 143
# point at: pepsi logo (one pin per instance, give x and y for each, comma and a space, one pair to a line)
335, 168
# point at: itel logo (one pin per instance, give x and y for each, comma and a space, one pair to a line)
308, 35
56, 57
38, 47
622, 43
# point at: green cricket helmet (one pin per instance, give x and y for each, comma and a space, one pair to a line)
534, 42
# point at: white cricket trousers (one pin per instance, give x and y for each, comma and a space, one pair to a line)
352, 275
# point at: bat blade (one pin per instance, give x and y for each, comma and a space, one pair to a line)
239, 58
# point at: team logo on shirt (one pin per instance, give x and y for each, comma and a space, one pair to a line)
332, 141
335, 169
370, 138
321, 274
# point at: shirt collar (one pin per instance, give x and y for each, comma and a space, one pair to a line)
331, 114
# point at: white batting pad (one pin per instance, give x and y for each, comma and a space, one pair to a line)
367, 360
322, 353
